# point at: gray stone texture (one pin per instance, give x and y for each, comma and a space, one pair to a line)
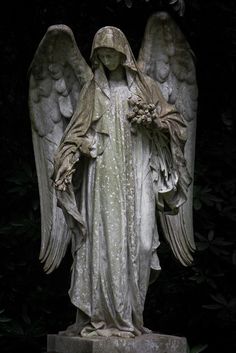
149, 343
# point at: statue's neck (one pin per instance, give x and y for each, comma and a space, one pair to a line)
117, 75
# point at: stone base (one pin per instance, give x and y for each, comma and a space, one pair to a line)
148, 343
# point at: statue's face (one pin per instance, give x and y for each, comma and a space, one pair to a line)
110, 58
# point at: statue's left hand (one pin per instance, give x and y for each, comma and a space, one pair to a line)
64, 174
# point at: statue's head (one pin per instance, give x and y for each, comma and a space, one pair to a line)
111, 47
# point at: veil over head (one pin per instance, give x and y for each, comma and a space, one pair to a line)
114, 38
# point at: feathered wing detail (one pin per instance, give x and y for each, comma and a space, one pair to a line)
166, 56
57, 74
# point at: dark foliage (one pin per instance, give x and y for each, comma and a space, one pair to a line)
197, 302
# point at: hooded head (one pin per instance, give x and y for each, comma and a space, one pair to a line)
113, 38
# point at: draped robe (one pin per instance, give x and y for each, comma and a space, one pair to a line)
111, 206
118, 204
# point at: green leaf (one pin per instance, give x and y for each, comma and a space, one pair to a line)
212, 306
211, 235
198, 348
5, 319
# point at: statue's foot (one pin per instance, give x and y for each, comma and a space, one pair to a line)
124, 334
91, 331
71, 330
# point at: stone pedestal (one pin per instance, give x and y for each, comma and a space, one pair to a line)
149, 343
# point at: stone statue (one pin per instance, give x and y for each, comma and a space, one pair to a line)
114, 151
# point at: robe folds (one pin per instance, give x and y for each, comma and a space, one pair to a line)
124, 173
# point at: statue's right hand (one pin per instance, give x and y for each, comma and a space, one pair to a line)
64, 174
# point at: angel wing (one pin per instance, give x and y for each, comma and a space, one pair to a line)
57, 74
166, 56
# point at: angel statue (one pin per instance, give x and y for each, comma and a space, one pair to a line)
114, 151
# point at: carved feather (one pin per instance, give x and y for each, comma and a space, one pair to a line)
57, 74
166, 56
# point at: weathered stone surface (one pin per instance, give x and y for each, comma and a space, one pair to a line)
150, 343
127, 156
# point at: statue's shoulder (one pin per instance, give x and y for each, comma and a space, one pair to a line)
154, 86
150, 81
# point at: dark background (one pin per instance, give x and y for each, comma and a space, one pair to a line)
197, 302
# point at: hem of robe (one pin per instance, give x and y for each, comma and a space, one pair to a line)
100, 329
